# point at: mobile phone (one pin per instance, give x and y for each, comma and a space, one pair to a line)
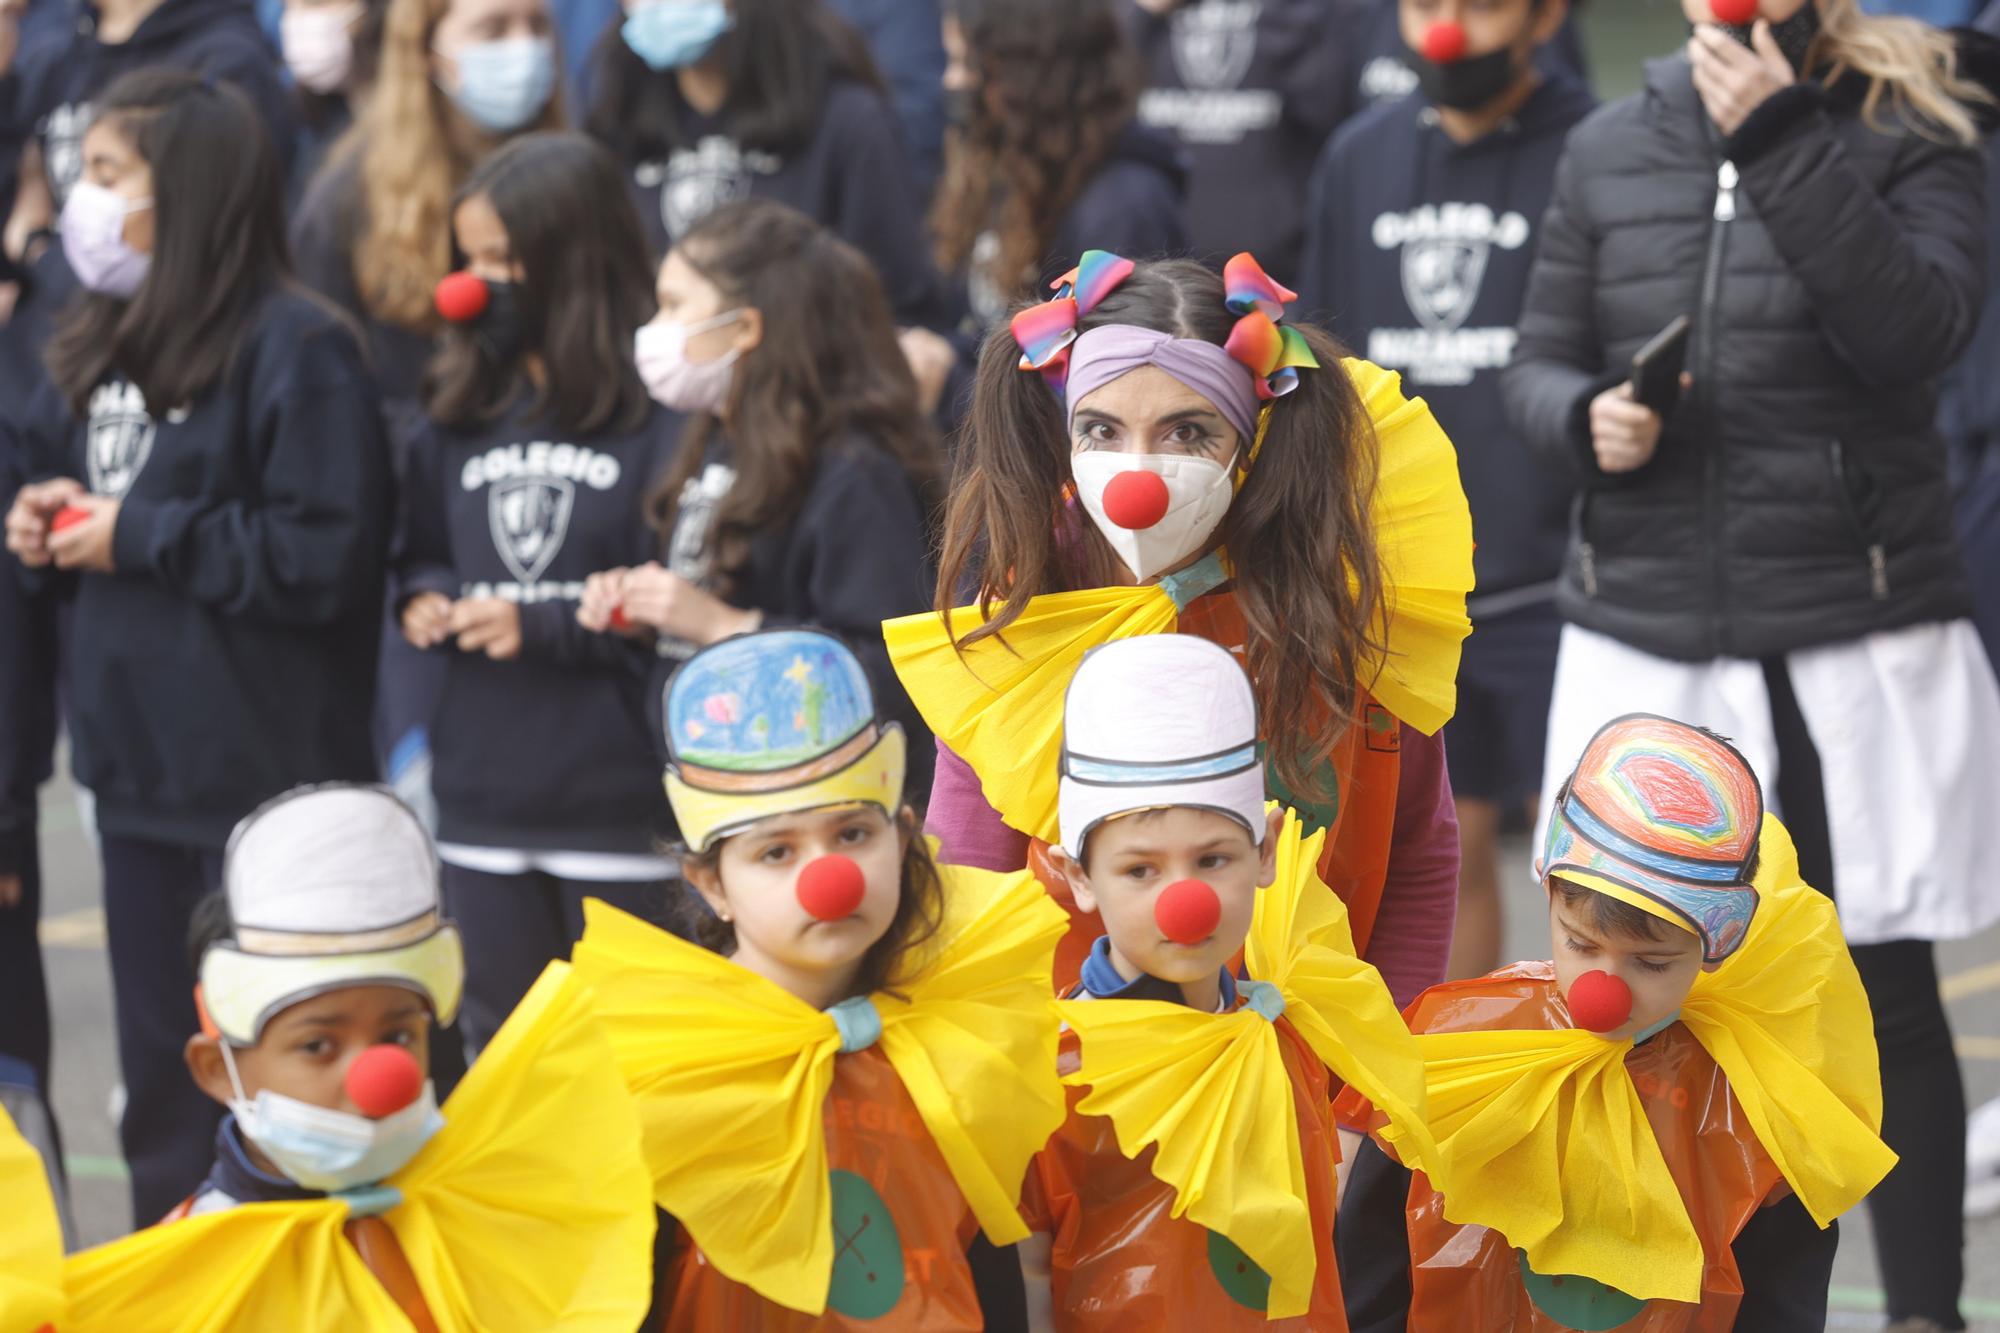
1656, 367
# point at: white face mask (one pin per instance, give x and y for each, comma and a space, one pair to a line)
660, 351
319, 44
93, 237
1198, 496
332, 1150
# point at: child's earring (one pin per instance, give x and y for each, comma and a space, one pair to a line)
724, 917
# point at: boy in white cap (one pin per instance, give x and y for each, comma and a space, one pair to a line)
1192, 1185
323, 964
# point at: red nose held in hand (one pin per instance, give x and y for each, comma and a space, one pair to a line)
831, 888
1187, 912
1444, 43
619, 620
1600, 1002
1136, 500
68, 517
1735, 13
461, 297
383, 1080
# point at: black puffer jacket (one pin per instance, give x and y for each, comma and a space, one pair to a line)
1833, 271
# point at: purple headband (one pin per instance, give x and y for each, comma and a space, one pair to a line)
1111, 350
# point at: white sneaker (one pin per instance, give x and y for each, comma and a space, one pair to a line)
1982, 1161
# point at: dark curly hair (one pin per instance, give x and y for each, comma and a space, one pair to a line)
1057, 83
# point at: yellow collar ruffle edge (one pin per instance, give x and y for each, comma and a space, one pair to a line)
31, 1246
506, 1225
731, 1073
1212, 1091
1548, 1142
1006, 718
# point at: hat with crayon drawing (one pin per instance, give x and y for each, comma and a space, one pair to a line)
1665, 817
328, 886
773, 723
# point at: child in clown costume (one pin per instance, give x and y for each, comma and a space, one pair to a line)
1655, 1131
1193, 1184
848, 1082
1201, 466
342, 1198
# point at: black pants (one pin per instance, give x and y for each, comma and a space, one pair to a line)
1916, 1211
516, 925
24, 992
168, 1129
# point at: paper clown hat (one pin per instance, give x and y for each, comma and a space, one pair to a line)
1156, 721
328, 887
1663, 816
773, 723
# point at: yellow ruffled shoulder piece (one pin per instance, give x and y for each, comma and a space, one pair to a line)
504, 1224
1788, 1021
1423, 532
1212, 1090
1543, 1138
31, 1247
1006, 720
731, 1074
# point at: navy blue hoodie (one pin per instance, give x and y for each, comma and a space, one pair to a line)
1417, 256
1249, 90
551, 750
853, 177
232, 655
1377, 68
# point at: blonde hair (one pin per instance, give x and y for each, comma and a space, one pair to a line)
1911, 64
410, 164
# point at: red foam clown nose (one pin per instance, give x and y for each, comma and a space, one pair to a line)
1444, 43
619, 620
383, 1080
1187, 912
461, 297
831, 888
68, 517
1736, 13
1599, 1002
1136, 500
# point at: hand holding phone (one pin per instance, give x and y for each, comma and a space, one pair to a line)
1657, 367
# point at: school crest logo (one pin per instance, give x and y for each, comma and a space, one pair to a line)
119, 438
1214, 41
529, 517
62, 147
1441, 278
696, 181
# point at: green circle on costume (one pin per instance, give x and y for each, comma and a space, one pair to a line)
867, 1252
1313, 815
1248, 1285
1581, 1303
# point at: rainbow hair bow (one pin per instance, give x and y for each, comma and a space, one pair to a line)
1274, 353
1046, 331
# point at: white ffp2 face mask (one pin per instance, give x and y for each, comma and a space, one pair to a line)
1199, 493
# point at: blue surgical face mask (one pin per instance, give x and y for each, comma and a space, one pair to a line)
330, 1150
672, 34
504, 85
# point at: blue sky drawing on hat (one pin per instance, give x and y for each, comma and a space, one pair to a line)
767, 702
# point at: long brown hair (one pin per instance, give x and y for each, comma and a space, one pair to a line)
1057, 83
829, 368
1308, 579
889, 960
413, 149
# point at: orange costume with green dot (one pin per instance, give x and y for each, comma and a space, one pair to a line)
1121, 1260
1465, 1277
900, 1227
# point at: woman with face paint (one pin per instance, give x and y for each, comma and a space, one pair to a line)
1207, 467
704, 102
210, 485
1767, 550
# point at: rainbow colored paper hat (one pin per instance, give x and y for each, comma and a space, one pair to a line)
1663, 816
770, 724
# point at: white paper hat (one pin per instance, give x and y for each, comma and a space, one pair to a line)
328, 886
1161, 720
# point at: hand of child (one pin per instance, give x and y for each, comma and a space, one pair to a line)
427, 619
602, 593
29, 517
491, 625
664, 601
10, 891
85, 544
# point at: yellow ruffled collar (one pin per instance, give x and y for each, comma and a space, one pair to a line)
1212, 1092
731, 1073
1006, 720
